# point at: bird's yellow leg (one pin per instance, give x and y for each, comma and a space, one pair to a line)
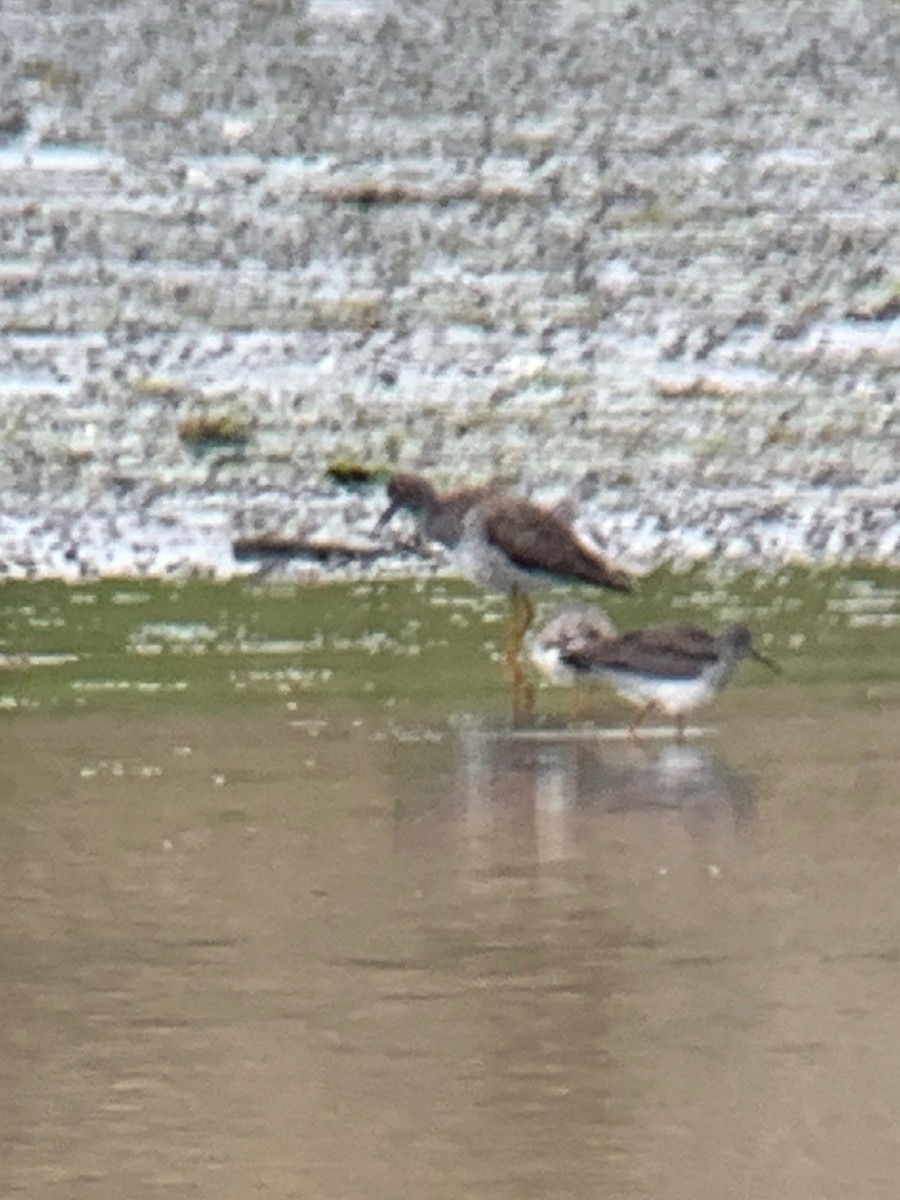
522, 616
582, 706
639, 719
520, 621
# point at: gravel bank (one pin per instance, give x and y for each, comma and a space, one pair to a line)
642, 256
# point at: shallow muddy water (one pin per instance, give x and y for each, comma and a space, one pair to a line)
290, 908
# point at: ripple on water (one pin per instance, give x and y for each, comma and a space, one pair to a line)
143, 686
155, 637
866, 604
37, 660
117, 769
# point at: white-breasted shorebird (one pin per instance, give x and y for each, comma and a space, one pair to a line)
570, 630
503, 543
672, 669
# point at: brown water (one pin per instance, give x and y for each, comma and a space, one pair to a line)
352, 959
288, 908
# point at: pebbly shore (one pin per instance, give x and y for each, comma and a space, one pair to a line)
642, 258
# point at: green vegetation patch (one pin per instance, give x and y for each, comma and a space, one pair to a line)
422, 648
349, 473
210, 430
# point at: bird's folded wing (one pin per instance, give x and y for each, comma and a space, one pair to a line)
671, 652
537, 540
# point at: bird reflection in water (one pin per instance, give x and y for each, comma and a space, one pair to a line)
521, 801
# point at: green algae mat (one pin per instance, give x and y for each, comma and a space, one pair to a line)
423, 648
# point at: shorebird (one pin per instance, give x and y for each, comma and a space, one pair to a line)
504, 543
669, 668
440, 518
571, 630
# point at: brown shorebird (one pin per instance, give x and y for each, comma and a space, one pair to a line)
504, 543
440, 518
670, 668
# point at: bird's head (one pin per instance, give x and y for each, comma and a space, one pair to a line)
739, 640
407, 491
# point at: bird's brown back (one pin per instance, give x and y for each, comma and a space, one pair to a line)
445, 520
668, 651
536, 539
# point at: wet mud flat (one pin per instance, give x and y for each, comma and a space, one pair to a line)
645, 258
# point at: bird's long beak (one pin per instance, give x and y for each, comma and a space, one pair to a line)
386, 516
767, 662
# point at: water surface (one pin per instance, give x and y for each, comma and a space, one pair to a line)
289, 907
